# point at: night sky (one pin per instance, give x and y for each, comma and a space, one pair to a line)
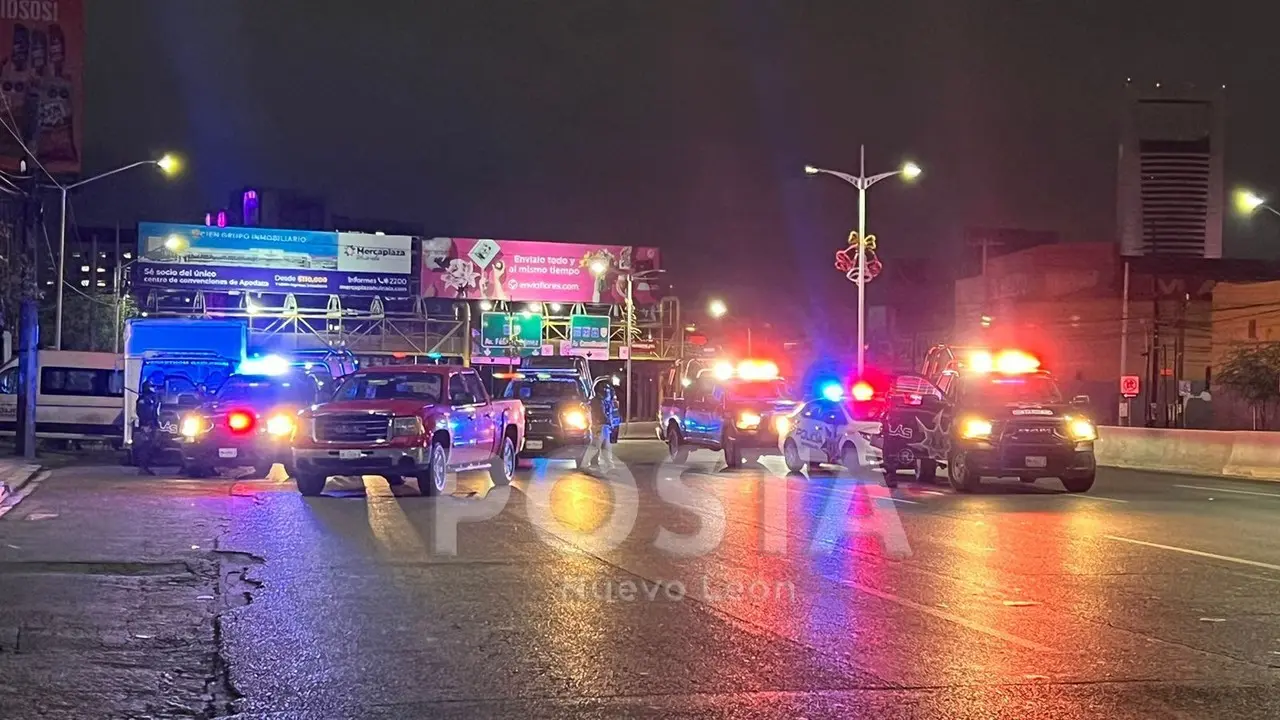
679, 123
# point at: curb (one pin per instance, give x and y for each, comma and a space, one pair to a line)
17, 478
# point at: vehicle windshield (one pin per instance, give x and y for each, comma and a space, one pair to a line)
424, 387
261, 390
1009, 389
759, 390
540, 389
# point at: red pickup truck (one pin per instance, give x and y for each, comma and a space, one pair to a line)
407, 421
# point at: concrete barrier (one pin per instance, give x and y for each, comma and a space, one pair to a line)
1198, 452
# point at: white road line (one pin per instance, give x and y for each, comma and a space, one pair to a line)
1198, 553
951, 617
12, 501
1234, 492
1078, 496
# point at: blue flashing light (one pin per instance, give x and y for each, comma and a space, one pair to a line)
832, 391
434, 355
265, 365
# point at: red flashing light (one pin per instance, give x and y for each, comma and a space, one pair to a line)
239, 422
862, 391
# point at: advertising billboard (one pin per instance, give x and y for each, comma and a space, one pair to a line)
41, 81
197, 257
528, 271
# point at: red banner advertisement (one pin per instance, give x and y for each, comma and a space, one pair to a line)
527, 271
42, 82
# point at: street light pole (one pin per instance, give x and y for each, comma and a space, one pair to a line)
168, 164
631, 309
909, 171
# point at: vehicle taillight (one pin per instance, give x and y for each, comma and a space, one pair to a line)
239, 421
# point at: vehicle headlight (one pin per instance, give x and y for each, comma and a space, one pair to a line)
193, 426
406, 427
1082, 430
782, 424
975, 429
575, 419
748, 420
280, 425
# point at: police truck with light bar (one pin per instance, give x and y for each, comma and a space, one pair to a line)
982, 413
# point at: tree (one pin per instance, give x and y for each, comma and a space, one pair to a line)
89, 322
1252, 374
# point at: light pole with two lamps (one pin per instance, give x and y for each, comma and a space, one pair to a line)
598, 268
908, 171
168, 164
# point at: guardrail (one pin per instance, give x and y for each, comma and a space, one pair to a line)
1234, 453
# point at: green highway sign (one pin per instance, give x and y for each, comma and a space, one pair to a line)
589, 332
500, 332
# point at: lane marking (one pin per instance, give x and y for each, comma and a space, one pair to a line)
1078, 496
12, 501
951, 617
1234, 492
1198, 553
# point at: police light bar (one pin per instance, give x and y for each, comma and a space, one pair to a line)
862, 391
757, 370
1005, 362
266, 365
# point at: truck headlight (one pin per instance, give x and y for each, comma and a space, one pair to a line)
1082, 430
406, 427
575, 419
193, 426
279, 425
975, 429
748, 420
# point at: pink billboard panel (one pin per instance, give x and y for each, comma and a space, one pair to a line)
529, 271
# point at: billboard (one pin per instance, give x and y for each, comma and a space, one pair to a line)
41, 81
198, 257
527, 271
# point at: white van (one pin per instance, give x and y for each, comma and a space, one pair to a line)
81, 396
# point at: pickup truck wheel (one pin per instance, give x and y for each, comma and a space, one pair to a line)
310, 485
675, 445
432, 482
962, 478
791, 455
732, 454
504, 466
1079, 484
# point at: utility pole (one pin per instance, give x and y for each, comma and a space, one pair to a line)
28, 309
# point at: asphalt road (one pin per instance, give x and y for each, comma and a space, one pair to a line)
732, 594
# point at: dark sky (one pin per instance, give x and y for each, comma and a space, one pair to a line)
680, 123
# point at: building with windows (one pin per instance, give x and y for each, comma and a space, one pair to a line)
1171, 194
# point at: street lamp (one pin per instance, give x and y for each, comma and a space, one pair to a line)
909, 171
1249, 202
717, 308
168, 163
599, 267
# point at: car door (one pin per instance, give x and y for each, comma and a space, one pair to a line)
462, 422
912, 423
699, 399
808, 433
834, 422
485, 424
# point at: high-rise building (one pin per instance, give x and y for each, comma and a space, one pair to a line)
1171, 193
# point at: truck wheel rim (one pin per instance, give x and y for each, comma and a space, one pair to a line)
508, 458
437, 469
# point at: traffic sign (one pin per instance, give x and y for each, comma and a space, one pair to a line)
589, 332
1130, 385
501, 332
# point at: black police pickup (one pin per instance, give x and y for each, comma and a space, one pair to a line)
557, 412
988, 424
249, 421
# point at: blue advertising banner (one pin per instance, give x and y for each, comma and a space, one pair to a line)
198, 257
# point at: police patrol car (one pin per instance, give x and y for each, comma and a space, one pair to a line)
834, 429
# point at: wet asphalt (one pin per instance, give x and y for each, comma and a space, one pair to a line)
655, 591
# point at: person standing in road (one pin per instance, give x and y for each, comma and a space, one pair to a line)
601, 447
148, 411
